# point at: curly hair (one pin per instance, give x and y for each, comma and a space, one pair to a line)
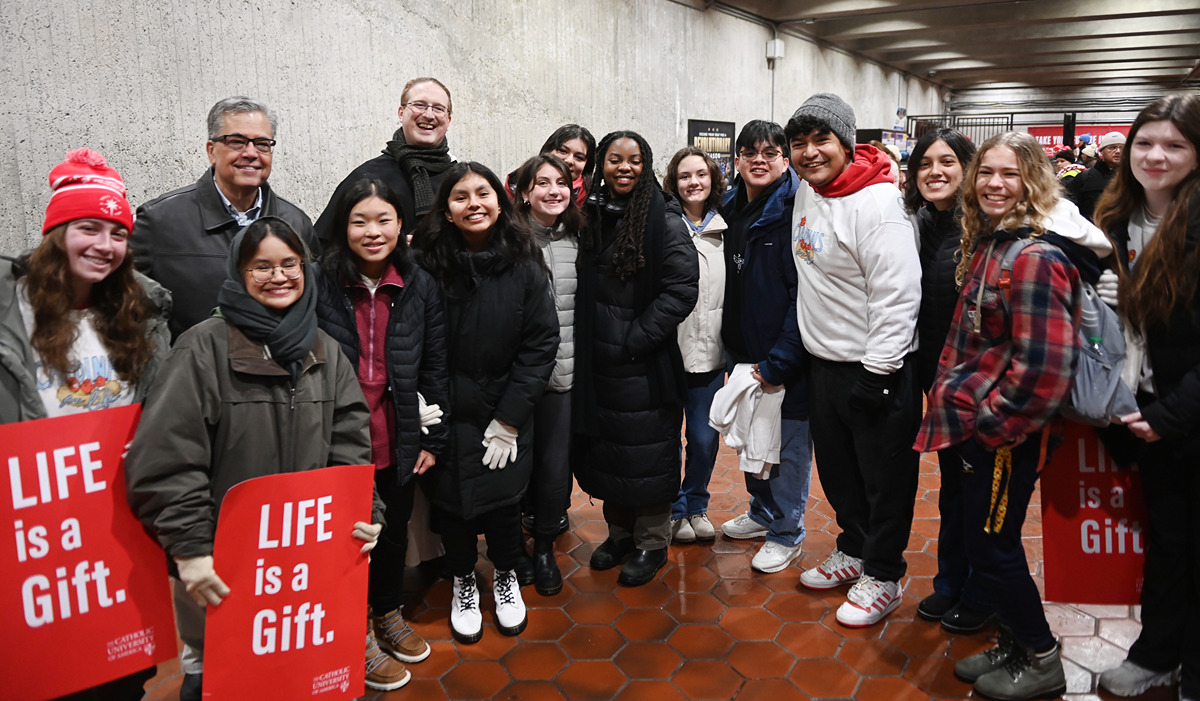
963, 148
338, 256
571, 218
1169, 266
627, 257
1042, 192
716, 177
120, 310
439, 240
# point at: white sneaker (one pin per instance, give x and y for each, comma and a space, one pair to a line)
868, 602
743, 528
681, 530
838, 568
1132, 679
466, 620
702, 527
511, 616
773, 557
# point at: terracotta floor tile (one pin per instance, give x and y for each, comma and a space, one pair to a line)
475, 680
809, 640
918, 638
824, 678
741, 592
751, 624
873, 658
648, 661
652, 594
535, 661
594, 608
424, 689
889, 689
690, 579
935, 676
696, 642
696, 554
703, 679
442, 656
695, 608
646, 625
730, 565
592, 642
591, 680
587, 580
526, 691
650, 691
785, 581
546, 624
492, 646
760, 659
770, 690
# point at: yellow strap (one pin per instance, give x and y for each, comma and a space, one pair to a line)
1001, 470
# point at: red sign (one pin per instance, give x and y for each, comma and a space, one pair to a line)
295, 622
1093, 520
81, 581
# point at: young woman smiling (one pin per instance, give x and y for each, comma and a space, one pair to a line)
502, 333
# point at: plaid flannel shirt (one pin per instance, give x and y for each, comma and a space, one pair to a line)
1006, 369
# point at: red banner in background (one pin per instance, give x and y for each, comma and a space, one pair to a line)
1093, 522
295, 622
81, 581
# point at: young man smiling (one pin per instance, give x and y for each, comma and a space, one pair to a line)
859, 289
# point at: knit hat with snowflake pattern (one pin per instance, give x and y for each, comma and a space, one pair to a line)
86, 188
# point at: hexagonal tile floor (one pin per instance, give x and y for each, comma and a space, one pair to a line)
711, 628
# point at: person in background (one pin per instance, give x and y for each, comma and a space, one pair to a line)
386, 314
79, 329
576, 147
1151, 213
695, 179
1085, 188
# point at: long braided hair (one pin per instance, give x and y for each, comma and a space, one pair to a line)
627, 256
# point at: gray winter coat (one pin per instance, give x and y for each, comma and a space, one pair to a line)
560, 252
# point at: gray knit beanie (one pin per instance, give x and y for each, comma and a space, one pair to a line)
832, 109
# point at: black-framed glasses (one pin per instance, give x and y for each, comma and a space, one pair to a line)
238, 142
262, 274
770, 155
439, 110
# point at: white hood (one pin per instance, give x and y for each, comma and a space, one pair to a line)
1066, 221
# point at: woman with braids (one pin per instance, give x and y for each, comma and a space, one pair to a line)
1005, 372
1151, 210
637, 281
79, 329
501, 336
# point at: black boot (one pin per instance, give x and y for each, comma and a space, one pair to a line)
610, 553
642, 567
547, 578
524, 569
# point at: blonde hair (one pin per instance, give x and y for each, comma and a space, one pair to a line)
1042, 192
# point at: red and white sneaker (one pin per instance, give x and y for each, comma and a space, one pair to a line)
868, 602
838, 568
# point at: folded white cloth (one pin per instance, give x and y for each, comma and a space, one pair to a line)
749, 419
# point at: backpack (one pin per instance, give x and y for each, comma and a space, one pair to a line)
1097, 393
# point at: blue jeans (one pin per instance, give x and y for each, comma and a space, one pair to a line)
778, 503
700, 453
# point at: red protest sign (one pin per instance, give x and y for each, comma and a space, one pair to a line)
79, 572
295, 622
1093, 515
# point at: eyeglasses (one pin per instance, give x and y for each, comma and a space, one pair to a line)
770, 155
262, 274
238, 142
419, 107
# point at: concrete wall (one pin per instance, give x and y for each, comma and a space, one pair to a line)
134, 80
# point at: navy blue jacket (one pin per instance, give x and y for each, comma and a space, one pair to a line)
766, 277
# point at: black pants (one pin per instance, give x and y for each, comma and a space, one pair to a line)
550, 485
1171, 592
998, 559
385, 589
954, 577
867, 469
500, 527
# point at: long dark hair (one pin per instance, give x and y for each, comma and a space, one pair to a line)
571, 218
958, 142
567, 132
715, 176
439, 240
338, 257
627, 255
120, 310
1167, 269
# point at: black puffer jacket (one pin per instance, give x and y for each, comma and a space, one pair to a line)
940, 234
502, 336
629, 382
416, 356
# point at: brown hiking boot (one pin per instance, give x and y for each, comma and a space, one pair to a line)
396, 637
383, 672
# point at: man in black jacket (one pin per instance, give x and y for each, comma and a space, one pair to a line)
414, 160
1084, 189
184, 235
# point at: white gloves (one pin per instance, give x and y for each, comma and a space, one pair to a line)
500, 440
368, 532
201, 580
1106, 288
430, 413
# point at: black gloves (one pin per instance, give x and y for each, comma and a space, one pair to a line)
873, 395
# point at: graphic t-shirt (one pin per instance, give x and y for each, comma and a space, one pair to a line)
92, 382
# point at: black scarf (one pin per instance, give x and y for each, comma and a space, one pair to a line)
289, 334
418, 163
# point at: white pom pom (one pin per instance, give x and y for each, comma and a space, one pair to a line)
86, 156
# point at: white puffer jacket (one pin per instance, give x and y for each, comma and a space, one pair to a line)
700, 333
560, 252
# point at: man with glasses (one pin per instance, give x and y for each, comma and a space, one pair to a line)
414, 160
759, 328
184, 235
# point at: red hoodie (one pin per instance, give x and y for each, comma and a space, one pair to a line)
870, 167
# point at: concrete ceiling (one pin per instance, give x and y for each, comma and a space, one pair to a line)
1018, 43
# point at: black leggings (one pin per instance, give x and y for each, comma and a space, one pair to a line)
502, 529
385, 589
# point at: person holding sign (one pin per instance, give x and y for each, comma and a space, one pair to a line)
79, 329
387, 315
502, 334
1150, 210
256, 390
1004, 375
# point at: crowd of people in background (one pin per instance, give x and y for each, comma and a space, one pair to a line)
485, 340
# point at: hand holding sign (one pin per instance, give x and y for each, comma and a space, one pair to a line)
368, 532
201, 580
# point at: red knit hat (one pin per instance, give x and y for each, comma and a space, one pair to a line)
86, 188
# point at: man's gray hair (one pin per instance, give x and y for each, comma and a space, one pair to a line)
237, 105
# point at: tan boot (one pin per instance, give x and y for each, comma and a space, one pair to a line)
397, 637
383, 672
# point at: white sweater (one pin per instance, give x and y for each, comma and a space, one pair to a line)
750, 420
859, 276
